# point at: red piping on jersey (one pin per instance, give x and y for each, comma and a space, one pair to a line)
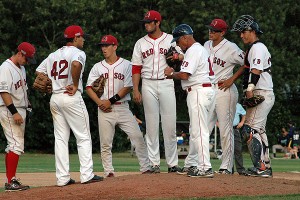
108, 79
158, 66
211, 47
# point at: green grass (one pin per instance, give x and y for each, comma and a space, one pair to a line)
124, 162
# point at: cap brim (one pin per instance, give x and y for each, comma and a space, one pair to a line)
146, 20
102, 44
31, 60
175, 39
212, 28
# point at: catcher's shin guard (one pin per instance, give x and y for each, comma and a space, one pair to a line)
255, 149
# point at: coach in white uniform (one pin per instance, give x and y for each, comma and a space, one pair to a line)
224, 56
158, 93
195, 80
113, 107
65, 67
257, 80
13, 104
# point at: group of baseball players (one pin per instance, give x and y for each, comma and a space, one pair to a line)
206, 75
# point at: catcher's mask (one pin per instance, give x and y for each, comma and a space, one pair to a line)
246, 23
181, 30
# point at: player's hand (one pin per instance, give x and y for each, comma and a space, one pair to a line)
137, 96
168, 72
105, 106
18, 119
225, 84
249, 94
71, 90
240, 125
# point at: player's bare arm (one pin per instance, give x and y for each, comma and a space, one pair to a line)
225, 84
76, 72
9, 104
137, 96
169, 73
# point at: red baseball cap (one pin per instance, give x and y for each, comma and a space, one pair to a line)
108, 40
152, 15
218, 25
28, 50
73, 31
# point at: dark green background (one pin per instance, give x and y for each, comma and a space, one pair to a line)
42, 23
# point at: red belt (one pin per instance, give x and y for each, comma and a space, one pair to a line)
119, 103
203, 85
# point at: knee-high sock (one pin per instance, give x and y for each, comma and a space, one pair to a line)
11, 163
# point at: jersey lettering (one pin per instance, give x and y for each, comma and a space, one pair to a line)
119, 76
211, 72
147, 53
256, 61
185, 64
63, 65
163, 51
219, 62
18, 84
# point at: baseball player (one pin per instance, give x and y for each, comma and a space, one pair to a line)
158, 93
238, 122
13, 104
258, 80
224, 56
65, 67
113, 107
194, 76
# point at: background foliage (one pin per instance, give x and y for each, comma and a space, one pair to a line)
42, 23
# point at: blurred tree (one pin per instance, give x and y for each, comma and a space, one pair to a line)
42, 23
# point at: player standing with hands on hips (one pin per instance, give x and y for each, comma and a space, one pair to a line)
65, 67
158, 93
113, 105
258, 82
13, 104
224, 56
194, 76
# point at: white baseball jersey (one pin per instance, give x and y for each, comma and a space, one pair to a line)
256, 117
158, 96
196, 63
200, 100
118, 75
223, 58
58, 67
13, 81
68, 113
260, 58
150, 54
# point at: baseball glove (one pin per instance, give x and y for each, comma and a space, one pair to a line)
253, 101
172, 58
98, 85
42, 83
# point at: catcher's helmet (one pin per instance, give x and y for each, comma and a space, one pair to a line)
246, 22
182, 29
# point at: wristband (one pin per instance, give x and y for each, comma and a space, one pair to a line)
250, 87
12, 109
114, 99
